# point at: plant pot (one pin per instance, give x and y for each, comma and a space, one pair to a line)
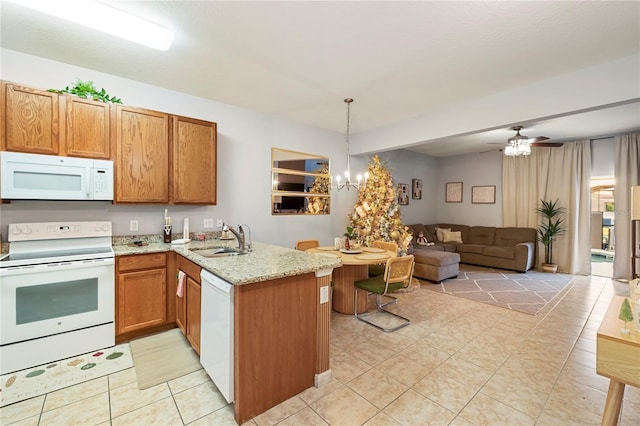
550, 267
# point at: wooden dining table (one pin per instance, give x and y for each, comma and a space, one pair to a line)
355, 266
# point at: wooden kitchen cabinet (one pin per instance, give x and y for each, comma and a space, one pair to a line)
30, 120
141, 293
193, 313
42, 122
193, 148
158, 157
188, 307
270, 319
142, 155
88, 128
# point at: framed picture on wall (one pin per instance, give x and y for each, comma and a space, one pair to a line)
416, 189
453, 192
403, 194
483, 194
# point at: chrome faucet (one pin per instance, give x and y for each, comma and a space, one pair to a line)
240, 235
246, 231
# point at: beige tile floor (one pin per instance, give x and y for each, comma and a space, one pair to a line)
460, 362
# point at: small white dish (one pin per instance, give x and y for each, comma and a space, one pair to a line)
352, 251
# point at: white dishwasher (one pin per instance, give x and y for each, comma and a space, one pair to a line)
216, 338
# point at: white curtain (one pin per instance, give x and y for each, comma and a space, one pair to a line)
627, 174
562, 173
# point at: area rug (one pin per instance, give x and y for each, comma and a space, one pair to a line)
36, 381
163, 357
528, 293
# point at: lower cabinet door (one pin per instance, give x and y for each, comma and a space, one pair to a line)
193, 313
141, 299
181, 311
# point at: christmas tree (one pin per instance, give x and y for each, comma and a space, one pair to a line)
625, 315
376, 214
320, 186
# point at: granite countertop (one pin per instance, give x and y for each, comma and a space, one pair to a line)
264, 262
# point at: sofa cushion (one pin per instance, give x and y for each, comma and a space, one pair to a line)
440, 233
463, 229
436, 258
415, 229
512, 236
502, 252
451, 237
431, 233
470, 248
481, 235
413, 249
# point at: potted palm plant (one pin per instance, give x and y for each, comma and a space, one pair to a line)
550, 227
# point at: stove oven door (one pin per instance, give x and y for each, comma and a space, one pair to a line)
49, 299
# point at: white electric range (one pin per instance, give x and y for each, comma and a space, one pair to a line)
57, 292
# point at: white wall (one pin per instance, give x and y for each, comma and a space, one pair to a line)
406, 165
472, 170
245, 139
602, 157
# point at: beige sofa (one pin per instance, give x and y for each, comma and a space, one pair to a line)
504, 248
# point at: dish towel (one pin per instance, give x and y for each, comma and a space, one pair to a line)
180, 291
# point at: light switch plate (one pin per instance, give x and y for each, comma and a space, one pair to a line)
133, 225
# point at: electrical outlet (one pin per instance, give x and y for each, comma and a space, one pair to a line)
219, 223
208, 223
133, 225
324, 294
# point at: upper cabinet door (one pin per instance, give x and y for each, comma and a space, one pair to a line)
193, 161
88, 128
142, 155
30, 120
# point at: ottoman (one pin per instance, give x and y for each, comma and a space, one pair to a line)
436, 265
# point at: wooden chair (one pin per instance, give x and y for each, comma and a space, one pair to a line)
397, 274
387, 245
306, 244
375, 270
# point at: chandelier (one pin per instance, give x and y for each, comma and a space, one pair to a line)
347, 183
518, 145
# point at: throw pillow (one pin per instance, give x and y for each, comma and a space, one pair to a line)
439, 232
452, 237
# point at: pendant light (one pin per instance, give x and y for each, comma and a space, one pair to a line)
338, 183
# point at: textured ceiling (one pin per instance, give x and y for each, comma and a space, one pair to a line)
298, 60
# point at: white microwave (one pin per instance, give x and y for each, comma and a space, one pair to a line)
50, 177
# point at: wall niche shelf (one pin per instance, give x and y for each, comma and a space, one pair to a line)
300, 183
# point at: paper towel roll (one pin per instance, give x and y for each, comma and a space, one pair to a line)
185, 229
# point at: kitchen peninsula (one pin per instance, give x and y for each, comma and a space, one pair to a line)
281, 328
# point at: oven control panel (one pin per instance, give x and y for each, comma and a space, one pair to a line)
58, 230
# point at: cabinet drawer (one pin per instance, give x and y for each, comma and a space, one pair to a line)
141, 261
189, 268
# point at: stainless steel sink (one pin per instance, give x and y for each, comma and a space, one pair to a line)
218, 251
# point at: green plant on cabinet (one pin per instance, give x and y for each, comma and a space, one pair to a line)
86, 90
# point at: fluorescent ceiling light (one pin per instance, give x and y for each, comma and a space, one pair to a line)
106, 19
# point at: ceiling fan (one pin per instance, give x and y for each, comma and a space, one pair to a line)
537, 141
541, 141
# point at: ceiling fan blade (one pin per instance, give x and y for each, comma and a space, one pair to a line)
548, 144
538, 139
